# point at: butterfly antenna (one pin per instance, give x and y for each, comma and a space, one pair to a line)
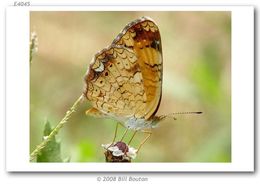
177, 113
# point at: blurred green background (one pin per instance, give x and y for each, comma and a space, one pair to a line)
196, 77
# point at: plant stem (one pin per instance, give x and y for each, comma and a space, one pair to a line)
55, 131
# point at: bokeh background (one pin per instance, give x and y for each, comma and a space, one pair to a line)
196, 77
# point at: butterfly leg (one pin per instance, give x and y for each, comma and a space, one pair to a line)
145, 139
124, 134
132, 137
115, 134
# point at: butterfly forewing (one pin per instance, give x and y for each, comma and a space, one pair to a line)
125, 79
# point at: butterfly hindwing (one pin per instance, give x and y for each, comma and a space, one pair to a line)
114, 82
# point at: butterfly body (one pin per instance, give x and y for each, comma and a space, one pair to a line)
124, 80
140, 124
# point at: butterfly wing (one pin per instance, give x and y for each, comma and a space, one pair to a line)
125, 79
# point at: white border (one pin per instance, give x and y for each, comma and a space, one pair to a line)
17, 94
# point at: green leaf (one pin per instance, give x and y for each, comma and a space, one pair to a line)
51, 152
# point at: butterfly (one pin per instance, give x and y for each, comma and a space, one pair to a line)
124, 80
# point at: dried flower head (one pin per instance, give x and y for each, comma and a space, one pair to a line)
34, 42
33, 45
119, 152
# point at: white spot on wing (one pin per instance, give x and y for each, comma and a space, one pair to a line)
100, 68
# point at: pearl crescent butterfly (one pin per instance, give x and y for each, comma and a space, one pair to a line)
124, 80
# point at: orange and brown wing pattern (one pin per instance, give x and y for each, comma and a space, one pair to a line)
124, 80
113, 82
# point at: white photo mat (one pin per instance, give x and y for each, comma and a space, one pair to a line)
17, 94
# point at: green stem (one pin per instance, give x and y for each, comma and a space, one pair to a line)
55, 131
